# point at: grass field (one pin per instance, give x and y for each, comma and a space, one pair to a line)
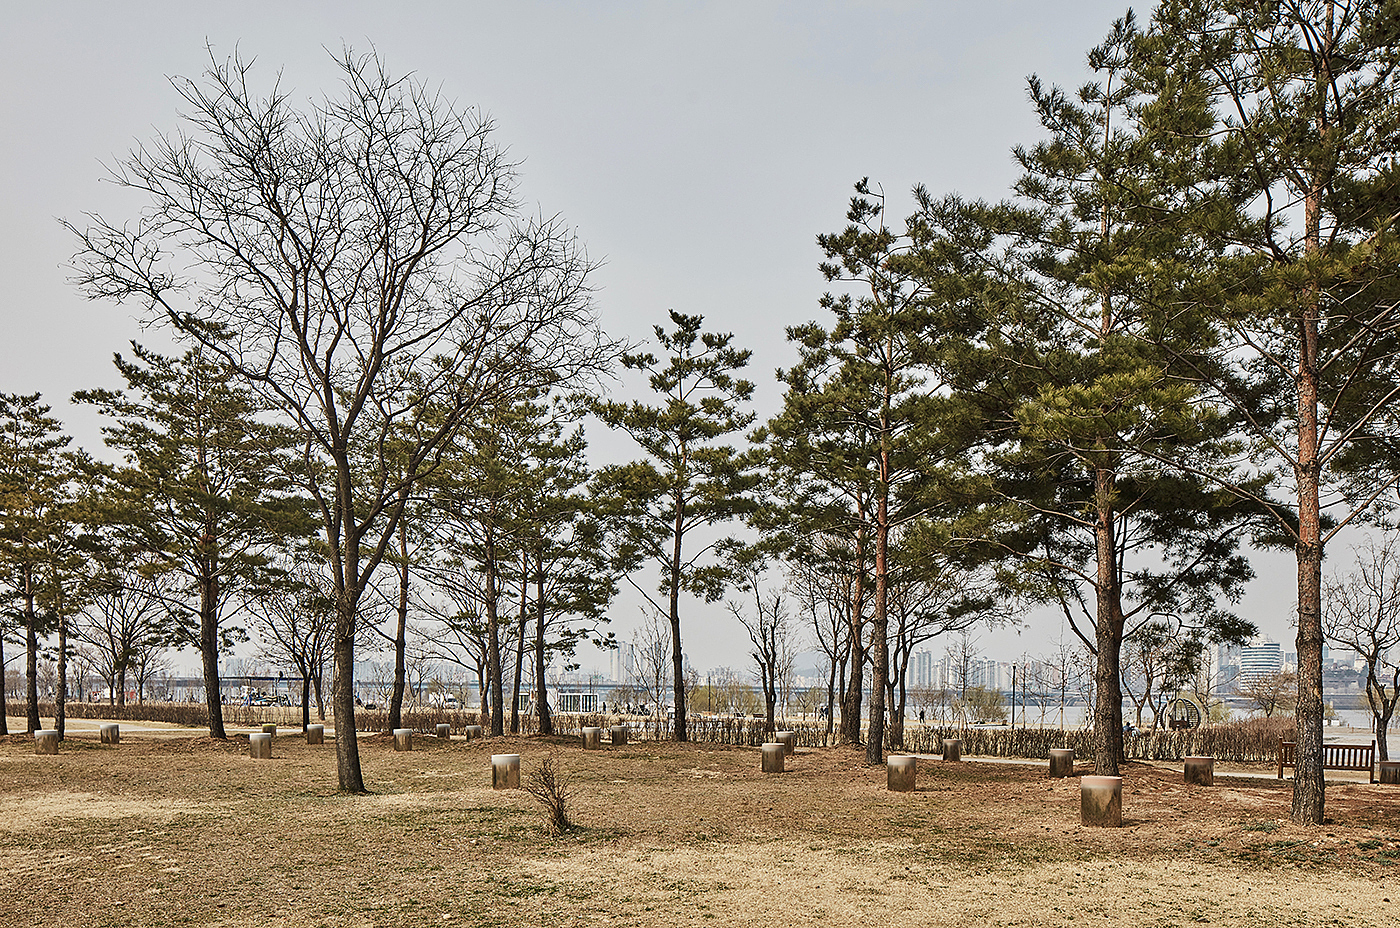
180, 830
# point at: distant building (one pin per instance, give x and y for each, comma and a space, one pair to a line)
923, 669
1259, 660
621, 663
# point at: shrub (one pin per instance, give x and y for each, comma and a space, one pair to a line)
548, 785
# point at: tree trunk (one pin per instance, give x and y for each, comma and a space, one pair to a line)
209, 653
1308, 785
855, 680
830, 700
879, 632
401, 630
1382, 706
60, 700
546, 720
520, 645
493, 636
1108, 629
31, 656
305, 694
347, 745
4, 705
770, 695
316, 686
896, 698
677, 656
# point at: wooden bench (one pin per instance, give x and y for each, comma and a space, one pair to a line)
1334, 757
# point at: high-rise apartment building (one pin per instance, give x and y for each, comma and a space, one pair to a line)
1259, 659
620, 663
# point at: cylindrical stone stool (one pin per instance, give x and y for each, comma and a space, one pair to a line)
952, 749
270, 728
505, 771
788, 739
899, 773
110, 733
1200, 771
618, 733
444, 730
403, 739
1101, 801
46, 741
315, 734
1062, 762
472, 732
773, 754
592, 738
260, 746
1389, 771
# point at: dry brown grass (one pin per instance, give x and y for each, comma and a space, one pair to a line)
180, 831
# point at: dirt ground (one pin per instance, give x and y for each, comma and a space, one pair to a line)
181, 830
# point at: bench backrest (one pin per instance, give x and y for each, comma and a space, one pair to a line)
1334, 756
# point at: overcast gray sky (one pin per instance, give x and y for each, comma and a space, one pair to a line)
698, 148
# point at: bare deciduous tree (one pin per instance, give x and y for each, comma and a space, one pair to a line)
295, 621
356, 260
1272, 692
126, 619
769, 633
651, 654
1362, 612
826, 599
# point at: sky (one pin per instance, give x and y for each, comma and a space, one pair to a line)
697, 148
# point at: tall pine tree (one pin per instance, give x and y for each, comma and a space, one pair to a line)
203, 491
1282, 121
689, 479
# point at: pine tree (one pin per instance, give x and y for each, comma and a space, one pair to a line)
35, 492
1078, 365
563, 549
688, 479
203, 493
1281, 123
860, 441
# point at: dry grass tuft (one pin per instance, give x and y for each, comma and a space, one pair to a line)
548, 784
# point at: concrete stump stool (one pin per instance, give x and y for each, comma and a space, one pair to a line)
773, 754
618, 733
403, 739
260, 746
269, 728
444, 731
1389, 772
505, 771
1200, 771
472, 731
1101, 801
788, 739
110, 733
1062, 762
899, 773
46, 741
952, 749
592, 738
315, 734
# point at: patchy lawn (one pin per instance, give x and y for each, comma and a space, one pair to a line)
190, 831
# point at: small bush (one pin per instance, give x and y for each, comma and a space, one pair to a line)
548, 784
